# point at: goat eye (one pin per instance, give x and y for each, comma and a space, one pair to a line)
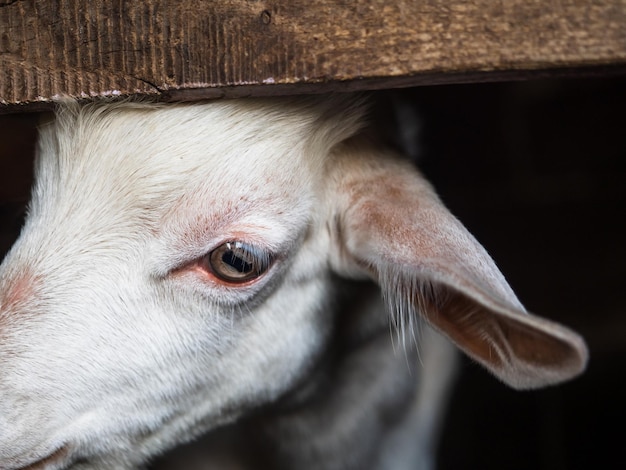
238, 262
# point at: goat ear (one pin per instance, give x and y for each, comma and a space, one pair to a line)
390, 224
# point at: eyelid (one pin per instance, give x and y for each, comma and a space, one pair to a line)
188, 255
190, 275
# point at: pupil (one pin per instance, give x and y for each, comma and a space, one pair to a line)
236, 262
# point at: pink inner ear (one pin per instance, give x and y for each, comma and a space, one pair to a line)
523, 350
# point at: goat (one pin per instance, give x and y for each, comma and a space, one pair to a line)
194, 267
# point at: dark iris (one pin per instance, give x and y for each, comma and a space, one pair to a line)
236, 262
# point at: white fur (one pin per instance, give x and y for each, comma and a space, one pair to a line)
114, 347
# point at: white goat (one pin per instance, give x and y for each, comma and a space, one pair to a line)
183, 267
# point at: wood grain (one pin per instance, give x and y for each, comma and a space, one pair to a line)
194, 49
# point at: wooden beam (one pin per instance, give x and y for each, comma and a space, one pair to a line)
195, 49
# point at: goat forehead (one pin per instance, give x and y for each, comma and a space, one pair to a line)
179, 144
159, 159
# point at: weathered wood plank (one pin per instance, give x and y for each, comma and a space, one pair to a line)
192, 49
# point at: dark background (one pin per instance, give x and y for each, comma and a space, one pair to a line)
537, 171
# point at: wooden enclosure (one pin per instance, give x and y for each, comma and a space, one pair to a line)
193, 49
